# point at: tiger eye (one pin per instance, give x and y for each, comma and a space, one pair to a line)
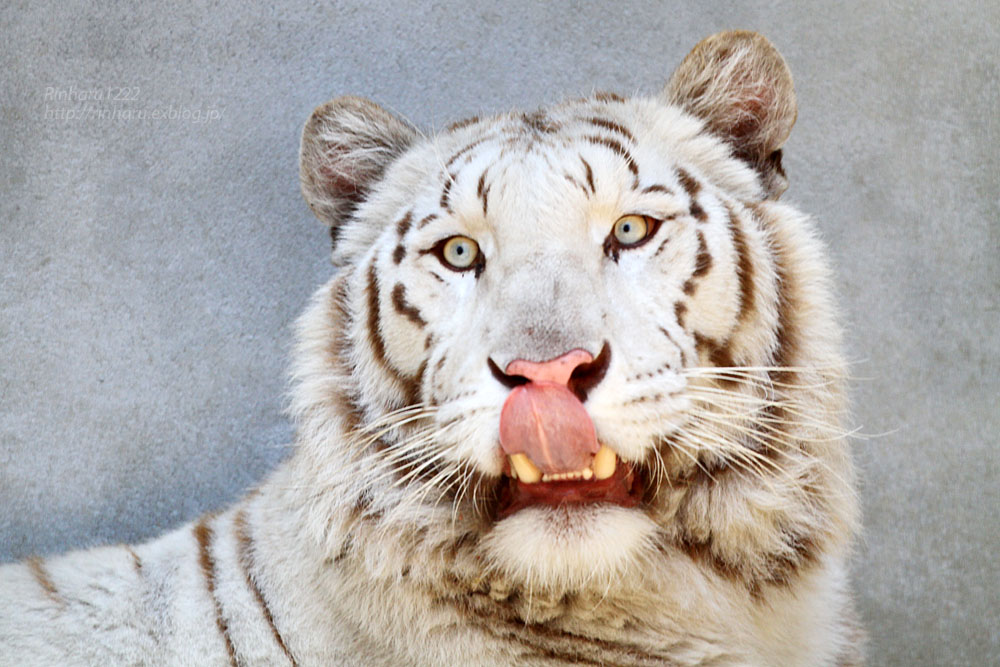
631, 229
460, 252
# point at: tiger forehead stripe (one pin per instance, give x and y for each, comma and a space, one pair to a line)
690, 185
656, 187
617, 148
692, 188
590, 175
483, 191
403, 225
445, 203
539, 122
466, 150
605, 96
611, 125
459, 124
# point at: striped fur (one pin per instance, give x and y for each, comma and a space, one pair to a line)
378, 541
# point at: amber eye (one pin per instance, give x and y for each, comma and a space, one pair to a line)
460, 252
631, 229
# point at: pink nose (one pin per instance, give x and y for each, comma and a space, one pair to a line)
555, 370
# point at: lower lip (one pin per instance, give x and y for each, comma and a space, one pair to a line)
623, 489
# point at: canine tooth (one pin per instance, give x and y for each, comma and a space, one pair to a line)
605, 462
524, 469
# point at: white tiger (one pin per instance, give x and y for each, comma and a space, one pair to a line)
573, 396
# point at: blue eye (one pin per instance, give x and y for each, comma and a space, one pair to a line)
460, 252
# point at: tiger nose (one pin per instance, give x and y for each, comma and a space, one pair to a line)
556, 370
578, 370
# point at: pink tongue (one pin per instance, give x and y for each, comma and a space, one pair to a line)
547, 423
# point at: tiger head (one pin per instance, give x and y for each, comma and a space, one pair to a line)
564, 344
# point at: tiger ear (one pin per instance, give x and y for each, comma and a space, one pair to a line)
347, 144
738, 83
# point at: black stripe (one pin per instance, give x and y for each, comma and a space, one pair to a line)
577, 183
445, 203
718, 352
692, 188
459, 124
410, 386
656, 187
690, 185
663, 245
483, 191
245, 545
744, 266
203, 534
340, 344
374, 318
404, 307
611, 125
589, 174
41, 575
403, 225
136, 561
604, 96
468, 147
680, 308
703, 263
539, 122
622, 152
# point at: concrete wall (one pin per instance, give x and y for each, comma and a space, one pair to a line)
151, 267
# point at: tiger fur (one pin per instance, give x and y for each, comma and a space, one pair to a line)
712, 372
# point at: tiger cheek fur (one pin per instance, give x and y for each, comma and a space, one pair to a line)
622, 260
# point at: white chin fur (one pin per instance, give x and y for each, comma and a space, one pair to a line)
572, 547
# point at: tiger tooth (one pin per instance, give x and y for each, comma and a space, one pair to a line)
605, 462
524, 469
587, 473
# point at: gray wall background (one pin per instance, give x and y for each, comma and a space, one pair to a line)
151, 268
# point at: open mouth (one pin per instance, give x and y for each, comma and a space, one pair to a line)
552, 454
605, 480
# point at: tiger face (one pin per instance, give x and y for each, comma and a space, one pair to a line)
568, 343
